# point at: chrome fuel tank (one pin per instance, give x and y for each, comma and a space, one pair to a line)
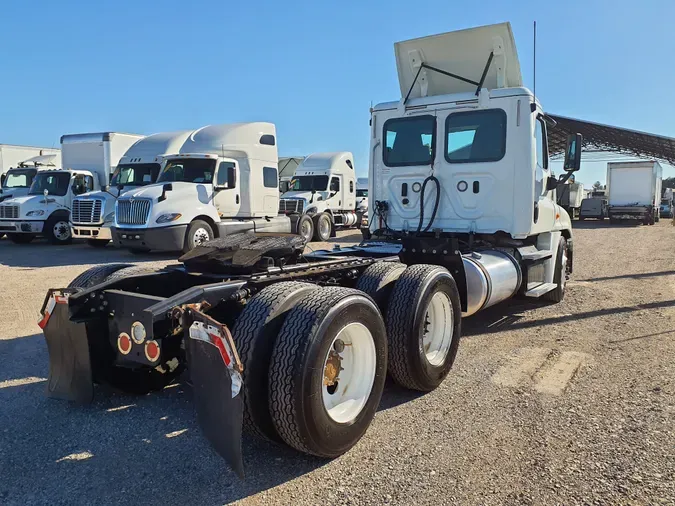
492, 276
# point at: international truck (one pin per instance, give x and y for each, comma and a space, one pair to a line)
12, 155
92, 215
222, 180
294, 345
570, 196
322, 195
634, 191
87, 161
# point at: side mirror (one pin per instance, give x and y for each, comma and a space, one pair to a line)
168, 187
573, 153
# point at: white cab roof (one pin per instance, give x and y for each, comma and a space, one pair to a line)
245, 137
147, 149
463, 53
323, 163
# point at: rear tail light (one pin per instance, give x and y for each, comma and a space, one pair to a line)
124, 343
152, 351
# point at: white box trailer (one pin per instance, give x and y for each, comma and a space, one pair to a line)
634, 191
12, 155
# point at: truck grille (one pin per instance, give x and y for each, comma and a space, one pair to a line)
291, 206
86, 211
133, 211
9, 212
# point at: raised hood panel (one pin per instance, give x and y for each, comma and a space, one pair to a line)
463, 53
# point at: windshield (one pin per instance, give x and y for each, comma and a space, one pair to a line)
19, 178
54, 182
137, 174
309, 183
192, 170
361, 193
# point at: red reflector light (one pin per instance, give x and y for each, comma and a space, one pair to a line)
124, 343
152, 351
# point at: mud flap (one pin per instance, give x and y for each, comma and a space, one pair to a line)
69, 362
216, 381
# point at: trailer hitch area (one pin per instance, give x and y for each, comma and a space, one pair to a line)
215, 372
70, 376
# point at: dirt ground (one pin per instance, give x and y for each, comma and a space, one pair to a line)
571, 403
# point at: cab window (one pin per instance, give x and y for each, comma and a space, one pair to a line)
475, 136
409, 141
82, 184
335, 184
227, 175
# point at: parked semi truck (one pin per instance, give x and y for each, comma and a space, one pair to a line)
634, 191
322, 195
12, 155
87, 160
570, 196
223, 180
17, 180
295, 346
93, 213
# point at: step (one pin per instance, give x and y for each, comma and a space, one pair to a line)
540, 290
530, 254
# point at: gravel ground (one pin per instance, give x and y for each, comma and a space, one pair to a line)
559, 404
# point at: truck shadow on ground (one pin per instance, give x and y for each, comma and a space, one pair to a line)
591, 224
42, 254
122, 447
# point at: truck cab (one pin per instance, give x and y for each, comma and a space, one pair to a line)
223, 179
45, 209
16, 181
93, 213
322, 194
462, 164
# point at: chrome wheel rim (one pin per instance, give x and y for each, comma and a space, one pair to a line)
200, 236
306, 229
324, 227
61, 230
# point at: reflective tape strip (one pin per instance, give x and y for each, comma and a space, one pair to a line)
48, 312
210, 334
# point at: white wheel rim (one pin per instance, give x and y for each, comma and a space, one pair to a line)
61, 230
438, 327
345, 398
324, 227
200, 236
563, 269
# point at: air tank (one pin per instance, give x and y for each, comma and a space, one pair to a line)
492, 276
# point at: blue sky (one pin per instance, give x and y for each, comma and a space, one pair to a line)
313, 68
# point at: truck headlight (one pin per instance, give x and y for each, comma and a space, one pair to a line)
166, 218
109, 218
39, 212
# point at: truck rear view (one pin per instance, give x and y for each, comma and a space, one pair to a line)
634, 191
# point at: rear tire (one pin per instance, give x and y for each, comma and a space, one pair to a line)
95, 275
310, 411
378, 281
560, 274
306, 227
97, 243
254, 334
424, 321
21, 238
322, 227
197, 233
57, 230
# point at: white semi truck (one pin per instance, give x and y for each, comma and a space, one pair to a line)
93, 213
222, 180
296, 346
287, 166
634, 191
87, 160
17, 180
11, 156
322, 194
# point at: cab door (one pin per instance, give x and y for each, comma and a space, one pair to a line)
227, 189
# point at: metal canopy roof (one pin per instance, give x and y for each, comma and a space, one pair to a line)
598, 137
